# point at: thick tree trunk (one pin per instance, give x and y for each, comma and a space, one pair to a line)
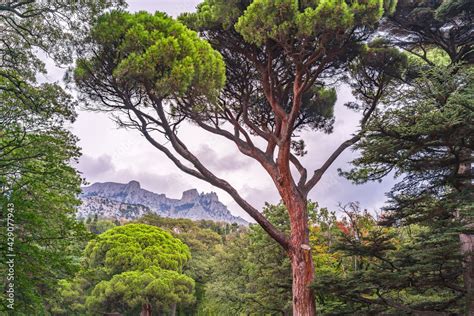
303, 274
301, 261
146, 310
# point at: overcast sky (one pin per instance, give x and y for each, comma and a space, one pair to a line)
111, 154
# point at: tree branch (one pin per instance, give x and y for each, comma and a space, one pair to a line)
201, 171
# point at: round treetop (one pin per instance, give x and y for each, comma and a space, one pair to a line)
136, 247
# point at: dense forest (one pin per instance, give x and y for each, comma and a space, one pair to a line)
263, 76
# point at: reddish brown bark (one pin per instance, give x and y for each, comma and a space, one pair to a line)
303, 274
146, 310
300, 254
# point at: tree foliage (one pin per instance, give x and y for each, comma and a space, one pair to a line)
423, 136
205, 239
420, 26
129, 290
281, 58
135, 247
36, 149
128, 268
406, 270
145, 53
46, 233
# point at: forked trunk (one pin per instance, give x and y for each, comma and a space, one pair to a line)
146, 310
301, 262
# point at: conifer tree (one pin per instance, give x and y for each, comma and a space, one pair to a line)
262, 76
424, 136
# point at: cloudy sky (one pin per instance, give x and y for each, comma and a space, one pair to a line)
111, 154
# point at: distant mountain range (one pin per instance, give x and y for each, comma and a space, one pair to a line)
130, 201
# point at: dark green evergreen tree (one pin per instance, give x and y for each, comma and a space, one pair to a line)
424, 136
419, 26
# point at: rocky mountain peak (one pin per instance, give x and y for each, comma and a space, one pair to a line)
133, 186
190, 195
212, 196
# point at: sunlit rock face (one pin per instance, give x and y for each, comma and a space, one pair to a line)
130, 201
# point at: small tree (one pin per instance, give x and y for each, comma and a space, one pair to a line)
136, 265
203, 242
153, 74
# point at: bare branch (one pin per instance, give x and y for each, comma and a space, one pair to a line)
302, 171
363, 122
200, 170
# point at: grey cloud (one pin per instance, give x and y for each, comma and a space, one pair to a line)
171, 7
93, 167
256, 197
102, 169
333, 190
172, 184
217, 162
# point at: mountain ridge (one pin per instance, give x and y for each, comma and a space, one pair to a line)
130, 201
